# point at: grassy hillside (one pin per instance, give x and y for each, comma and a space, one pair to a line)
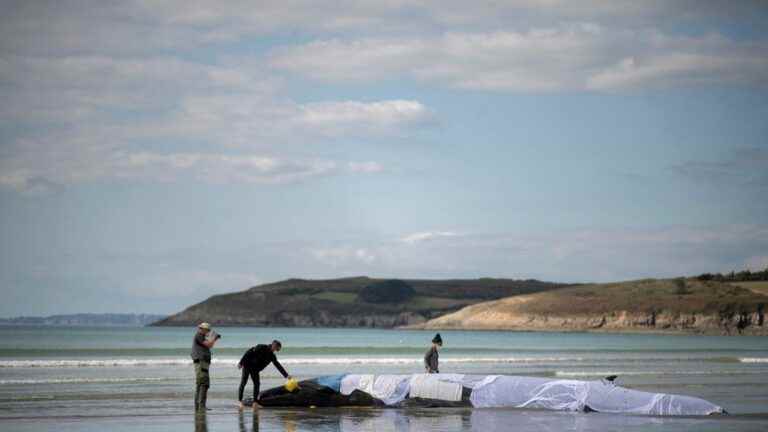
759, 287
670, 295
656, 305
338, 302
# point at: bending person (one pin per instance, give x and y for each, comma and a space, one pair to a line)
254, 361
431, 357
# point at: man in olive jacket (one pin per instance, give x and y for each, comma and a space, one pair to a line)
201, 357
254, 361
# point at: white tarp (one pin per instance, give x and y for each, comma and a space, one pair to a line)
527, 392
571, 395
390, 389
426, 387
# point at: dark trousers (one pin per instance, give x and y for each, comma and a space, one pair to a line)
202, 383
244, 380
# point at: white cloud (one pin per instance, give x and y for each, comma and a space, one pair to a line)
41, 177
365, 167
92, 113
218, 168
426, 236
344, 256
338, 117
133, 27
88, 88
744, 168
580, 57
596, 255
85, 90
28, 185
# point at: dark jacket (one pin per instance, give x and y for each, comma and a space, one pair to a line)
430, 360
258, 357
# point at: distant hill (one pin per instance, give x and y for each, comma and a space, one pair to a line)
85, 319
667, 305
350, 302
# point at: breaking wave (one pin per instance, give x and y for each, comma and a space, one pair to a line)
58, 363
80, 381
753, 359
648, 373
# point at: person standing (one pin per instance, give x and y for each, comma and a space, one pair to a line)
431, 357
201, 357
254, 361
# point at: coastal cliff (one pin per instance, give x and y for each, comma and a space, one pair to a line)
349, 302
671, 305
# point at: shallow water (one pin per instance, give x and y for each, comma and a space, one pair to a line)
83, 379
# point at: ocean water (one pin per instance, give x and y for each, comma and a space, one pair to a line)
88, 379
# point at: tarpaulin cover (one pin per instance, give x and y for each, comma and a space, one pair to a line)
424, 386
331, 381
390, 389
571, 395
527, 392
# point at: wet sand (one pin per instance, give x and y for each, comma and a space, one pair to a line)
370, 420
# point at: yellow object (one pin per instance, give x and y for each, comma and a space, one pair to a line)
291, 384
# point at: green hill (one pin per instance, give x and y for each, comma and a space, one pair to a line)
350, 302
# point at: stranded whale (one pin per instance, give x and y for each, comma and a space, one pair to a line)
483, 391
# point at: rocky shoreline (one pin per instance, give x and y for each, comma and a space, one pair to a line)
620, 322
707, 309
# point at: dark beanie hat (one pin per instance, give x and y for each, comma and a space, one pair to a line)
437, 339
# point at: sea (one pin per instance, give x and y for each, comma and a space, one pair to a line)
128, 379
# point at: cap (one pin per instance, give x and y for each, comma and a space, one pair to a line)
204, 325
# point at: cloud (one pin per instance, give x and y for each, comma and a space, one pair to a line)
214, 168
70, 90
344, 256
745, 167
335, 118
589, 255
80, 95
136, 27
365, 167
219, 168
30, 186
426, 236
82, 118
564, 57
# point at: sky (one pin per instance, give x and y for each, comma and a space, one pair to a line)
153, 154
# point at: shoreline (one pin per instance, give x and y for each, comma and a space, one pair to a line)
660, 332
423, 327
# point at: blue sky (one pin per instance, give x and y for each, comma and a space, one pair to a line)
154, 154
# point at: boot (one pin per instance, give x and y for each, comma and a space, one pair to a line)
203, 398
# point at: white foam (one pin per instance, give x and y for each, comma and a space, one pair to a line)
92, 363
180, 361
644, 373
606, 373
753, 359
79, 380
